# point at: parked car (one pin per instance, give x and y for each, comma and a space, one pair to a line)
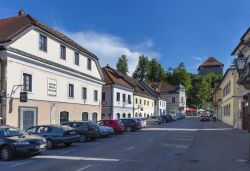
154, 120
55, 134
165, 118
131, 124
117, 125
142, 121
204, 117
86, 129
14, 142
174, 117
106, 131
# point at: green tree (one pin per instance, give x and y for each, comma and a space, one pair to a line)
178, 76
122, 64
155, 71
142, 68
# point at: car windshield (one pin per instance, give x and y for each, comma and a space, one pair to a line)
11, 132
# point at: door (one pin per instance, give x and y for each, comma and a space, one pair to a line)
27, 118
94, 117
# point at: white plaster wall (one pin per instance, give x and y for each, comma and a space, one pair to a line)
148, 110
29, 43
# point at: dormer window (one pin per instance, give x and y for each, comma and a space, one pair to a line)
89, 64
43, 43
62, 52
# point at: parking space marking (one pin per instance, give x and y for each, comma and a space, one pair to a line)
181, 139
84, 168
175, 145
130, 148
19, 164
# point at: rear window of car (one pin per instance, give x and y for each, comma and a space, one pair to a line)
11, 132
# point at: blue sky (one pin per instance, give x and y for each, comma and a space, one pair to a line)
173, 31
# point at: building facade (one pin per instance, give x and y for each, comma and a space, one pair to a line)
117, 96
211, 65
63, 80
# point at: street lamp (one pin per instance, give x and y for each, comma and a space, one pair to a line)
241, 62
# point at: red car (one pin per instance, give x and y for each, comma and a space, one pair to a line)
117, 125
205, 118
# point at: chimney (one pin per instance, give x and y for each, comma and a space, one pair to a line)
21, 13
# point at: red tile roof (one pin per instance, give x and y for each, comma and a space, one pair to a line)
111, 77
162, 86
211, 61
11, 27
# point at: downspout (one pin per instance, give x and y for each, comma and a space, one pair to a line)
112, 102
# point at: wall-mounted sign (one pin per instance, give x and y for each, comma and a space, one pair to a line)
23, 97
52, 87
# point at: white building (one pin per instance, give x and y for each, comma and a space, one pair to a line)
160, 102
117, 96
62, 79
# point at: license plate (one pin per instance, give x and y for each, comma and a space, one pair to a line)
72, 133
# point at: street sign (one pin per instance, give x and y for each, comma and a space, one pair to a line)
23, 97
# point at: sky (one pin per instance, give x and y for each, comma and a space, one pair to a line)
172, 31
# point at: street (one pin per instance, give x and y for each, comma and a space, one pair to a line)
182, 145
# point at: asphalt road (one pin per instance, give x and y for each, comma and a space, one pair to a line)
182, 145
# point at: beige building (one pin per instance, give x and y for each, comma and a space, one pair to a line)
226, 99
63, 80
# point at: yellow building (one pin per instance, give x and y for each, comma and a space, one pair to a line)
228, 98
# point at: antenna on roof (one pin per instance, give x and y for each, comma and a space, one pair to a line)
21, 13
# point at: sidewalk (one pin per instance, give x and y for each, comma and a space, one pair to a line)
218, 150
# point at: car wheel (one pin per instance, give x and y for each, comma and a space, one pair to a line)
6, 153
67, 144
128, 129
50, 144
83, 138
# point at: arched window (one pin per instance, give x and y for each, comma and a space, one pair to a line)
140, 115
118, 116
64, 116
124, 115
94, 117
129, 115
136, 114
85, 116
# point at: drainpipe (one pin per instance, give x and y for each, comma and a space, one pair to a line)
112, 101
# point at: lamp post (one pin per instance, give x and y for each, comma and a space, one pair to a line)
241, 62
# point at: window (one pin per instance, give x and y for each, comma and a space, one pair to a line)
144, 102
94, 117
129, 115
129, 99
136, 101
148, 103
62, 52
124, 115
84, 93
140, 101
123, 98
76, 58
27, 82
103, 96
117, 96
95, 95
118, 115
64, 117
89, 64
71, 90
182, 99
85, 116
173, 99
43, 43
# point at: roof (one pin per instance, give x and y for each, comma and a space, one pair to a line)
242, 41
211, 61
138, 88
10, 28
162, 86
111, 77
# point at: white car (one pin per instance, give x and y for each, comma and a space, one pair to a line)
142, 121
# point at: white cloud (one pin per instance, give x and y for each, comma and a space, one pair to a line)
197, 58
109, 47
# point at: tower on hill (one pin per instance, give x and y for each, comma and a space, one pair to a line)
211, 65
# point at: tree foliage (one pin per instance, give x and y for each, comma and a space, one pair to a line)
155, 71
142, 68
122, 64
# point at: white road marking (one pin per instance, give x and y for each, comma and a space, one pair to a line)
65, 152
175, 145
84, 168
19, 164
77, 158
130, 148
187, 129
